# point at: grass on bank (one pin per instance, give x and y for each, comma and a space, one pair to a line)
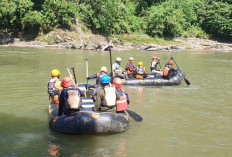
143, 39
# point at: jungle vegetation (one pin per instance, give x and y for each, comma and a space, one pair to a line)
156, 18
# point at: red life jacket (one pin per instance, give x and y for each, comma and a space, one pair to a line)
130, 66
122, 103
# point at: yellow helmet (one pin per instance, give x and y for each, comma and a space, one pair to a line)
104, 69
55, 72
131, 58
140, 63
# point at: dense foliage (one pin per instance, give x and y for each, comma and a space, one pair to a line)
162, 18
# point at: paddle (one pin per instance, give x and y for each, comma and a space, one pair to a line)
134, 115
111, 68
159, 63
71, 75
87, 73
186, 80
74, 74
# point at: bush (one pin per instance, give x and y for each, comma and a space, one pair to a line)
32, 21
165, 20
216, 19
110, 17
58, 13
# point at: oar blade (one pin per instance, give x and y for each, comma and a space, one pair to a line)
187, 81
135, 116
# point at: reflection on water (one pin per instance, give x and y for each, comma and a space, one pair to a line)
178, 121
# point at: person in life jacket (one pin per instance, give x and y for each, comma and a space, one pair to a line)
130, 67
54, 86
169, 71
124, 101
103, 72
154, 68
118, 71
106, 96
140, 71
70, 98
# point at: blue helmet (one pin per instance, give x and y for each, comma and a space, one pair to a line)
105, 79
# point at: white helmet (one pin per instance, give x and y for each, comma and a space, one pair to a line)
118, 59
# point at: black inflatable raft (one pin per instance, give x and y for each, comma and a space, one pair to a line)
157, 81
86, 121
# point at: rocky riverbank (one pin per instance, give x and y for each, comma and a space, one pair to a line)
100, 43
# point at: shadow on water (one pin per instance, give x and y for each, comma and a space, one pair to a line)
22, 136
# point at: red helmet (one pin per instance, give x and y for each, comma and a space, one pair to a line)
66, 82
170, 62
118, 83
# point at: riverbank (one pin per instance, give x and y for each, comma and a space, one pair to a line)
89, 41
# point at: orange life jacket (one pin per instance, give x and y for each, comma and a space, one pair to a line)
122, 103
166, 70
54, 86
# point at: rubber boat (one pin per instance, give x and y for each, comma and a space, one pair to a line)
86, 121
156, 81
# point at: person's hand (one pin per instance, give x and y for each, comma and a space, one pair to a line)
70, 76
77, 85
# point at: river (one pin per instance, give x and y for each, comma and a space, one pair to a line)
179, 121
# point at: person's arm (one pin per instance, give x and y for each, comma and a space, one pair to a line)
61, 103
98, 101
127, 67
127, 98
81, 94
93, 76
117, 95
145, 72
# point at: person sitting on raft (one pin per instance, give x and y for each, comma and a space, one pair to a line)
130, 67
54, 86
169, 71
106, 96
124, 101
70, 98
140, 71
153, 67
103, 72
118, 71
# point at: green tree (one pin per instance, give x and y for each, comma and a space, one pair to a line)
58, 13
216, 19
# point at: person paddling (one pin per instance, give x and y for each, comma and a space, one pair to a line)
54, 86
70, 98
140, 71
124, 101
154, 68
130, 67
106, 96
169, 71
103, 72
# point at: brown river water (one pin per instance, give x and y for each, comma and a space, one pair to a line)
179, 121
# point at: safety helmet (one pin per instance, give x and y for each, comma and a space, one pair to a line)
66, 82
154, 57
118, 83
105, 79
140, 63
55, 72
104, 69
170, 62
118, 59
131, 58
